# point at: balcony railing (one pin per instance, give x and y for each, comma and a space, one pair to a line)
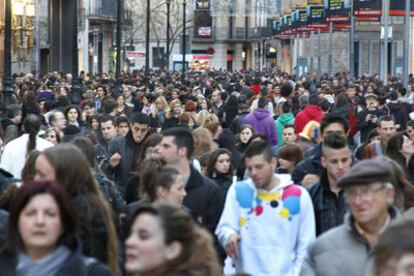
107, 10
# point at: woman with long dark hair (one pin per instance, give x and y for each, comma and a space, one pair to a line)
41, 236
220, 169
67, 164
165, 240
16, 151
401, 149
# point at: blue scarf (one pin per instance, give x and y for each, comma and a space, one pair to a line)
48, 265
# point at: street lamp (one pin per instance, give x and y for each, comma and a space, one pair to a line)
167, 56
75, 89
118, 38
147, 41
184, 12
7, 80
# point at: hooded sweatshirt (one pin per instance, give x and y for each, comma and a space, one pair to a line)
262, 123
283, 120
275, 226
310, 113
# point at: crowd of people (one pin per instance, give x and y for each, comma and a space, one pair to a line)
208, 173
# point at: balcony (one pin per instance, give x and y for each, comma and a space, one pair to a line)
106, 10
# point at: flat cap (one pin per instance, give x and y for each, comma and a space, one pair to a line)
371, 95
366, 172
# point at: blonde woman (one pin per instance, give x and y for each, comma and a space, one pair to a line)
159, 110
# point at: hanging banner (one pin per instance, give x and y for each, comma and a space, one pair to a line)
337, 10
397, 7
367, 7
316, 16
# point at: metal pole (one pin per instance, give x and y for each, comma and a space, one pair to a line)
184, 53
406, 43
167, 55
303, 49
351, 44
312, 51
37, 36
297, 55
7, 81
147, 41
118, 38
75, 90
319, 54
369, 57
385, 46
291, 54
330, 49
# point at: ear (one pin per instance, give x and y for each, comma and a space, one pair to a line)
161, 192
173, 250
182, 152
274, 163
390, 192
323, 161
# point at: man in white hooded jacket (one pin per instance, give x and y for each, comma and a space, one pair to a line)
267, 222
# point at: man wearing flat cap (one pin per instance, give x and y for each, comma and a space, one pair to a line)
346, 249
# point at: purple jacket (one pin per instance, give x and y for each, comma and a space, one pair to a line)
262, 123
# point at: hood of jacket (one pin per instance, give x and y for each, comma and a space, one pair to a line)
312, 111
261, 114
285, 119
395, 106
284, 181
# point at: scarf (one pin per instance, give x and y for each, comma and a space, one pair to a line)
48, 265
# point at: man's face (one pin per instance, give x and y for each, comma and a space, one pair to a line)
122, 129
289, 135
108, 130
216, 97
371, 102
350, 92
369, 203
100, 92
386, 130
334, 128
139, 131
337, 162
89, 111
260, 170
168, 150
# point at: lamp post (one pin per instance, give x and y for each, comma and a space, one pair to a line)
75, 90
184, 13
147, 41
118, 38
167, 55
7, 80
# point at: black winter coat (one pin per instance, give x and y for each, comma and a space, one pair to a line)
204, 199
76, 264
365, 127
129, 150
311, 165
329, 208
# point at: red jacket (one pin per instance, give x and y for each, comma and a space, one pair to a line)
310, 113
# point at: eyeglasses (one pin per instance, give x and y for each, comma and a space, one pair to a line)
363, 192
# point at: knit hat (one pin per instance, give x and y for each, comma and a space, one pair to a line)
367, 172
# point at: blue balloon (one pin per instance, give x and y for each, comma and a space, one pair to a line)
244, 195
292, 203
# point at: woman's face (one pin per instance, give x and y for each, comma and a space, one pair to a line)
145, 246
62, 92
286, 164
407, 148
159, 104
40, 225
73, 115
60, 121
245, 135
204, 105
51, 137
177, 108
44, 170
95, 124
145, 101
120, 101
175, 195
222, 164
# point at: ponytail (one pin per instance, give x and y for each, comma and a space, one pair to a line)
31, 126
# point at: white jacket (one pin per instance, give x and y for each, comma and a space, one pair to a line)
275, 226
